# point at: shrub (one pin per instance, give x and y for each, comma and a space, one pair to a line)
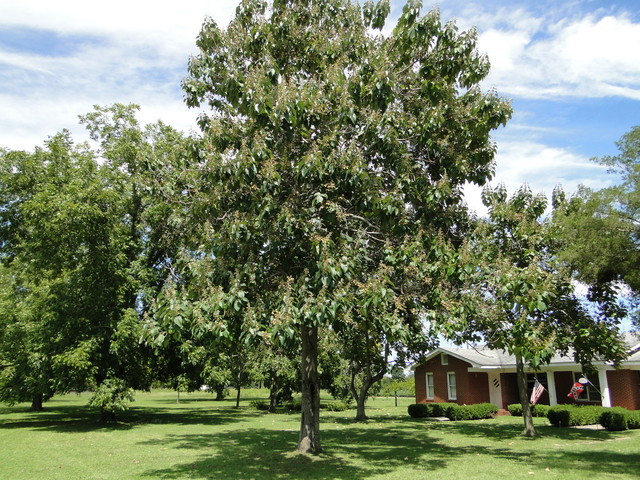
453, 411
539, 410
259, 404
441, 409
112, 396
483, 410
573, 415
618, 418
418, 410
615, 419
339, 406
294, 405
515, 409
458, 412
633, 419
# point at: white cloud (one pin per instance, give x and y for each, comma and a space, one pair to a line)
542, 168
585, 57
169, 25
118, 51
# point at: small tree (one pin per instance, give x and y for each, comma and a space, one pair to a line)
112, 396
525, 298
606, 223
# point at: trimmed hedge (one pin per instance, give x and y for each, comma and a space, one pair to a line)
452, 411
618, 418
418, 410
515, 409
574, 415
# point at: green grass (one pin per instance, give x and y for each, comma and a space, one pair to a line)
203, 439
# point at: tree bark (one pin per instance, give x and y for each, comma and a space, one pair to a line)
273, 392
107, 416
361, 415
220, 393
309, 441
36, 403
527, 416
238, 395
370, 380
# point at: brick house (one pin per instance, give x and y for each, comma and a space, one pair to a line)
475, 375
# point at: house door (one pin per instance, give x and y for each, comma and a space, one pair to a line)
495, 389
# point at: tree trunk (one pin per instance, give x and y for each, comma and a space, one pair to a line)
107, 416
220, 393
370, 380
238, 396
529, 429
273, 393
309, 441
361, 415
36, 403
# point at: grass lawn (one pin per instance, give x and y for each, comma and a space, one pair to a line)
202, 439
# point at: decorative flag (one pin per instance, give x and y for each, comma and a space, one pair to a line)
576, 390
538, 389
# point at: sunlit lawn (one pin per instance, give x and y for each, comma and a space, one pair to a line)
202, 439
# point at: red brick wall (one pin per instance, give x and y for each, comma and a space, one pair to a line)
624, 388
477, 389
472, 387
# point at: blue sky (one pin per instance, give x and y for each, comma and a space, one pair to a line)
570, 68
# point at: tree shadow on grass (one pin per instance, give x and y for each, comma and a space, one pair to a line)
380, 448
69, 419
352, 453
510, 431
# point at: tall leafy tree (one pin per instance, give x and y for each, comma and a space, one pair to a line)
526, 303
332, 154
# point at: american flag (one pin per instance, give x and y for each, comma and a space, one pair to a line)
538, 389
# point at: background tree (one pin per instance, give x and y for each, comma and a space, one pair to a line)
606, 223
527, 304
75, 240
397, 383
61, 250
331, 153
278, 370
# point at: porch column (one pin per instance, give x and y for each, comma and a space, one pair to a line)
604, 387
551, 385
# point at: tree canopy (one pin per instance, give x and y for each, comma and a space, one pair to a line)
520, 297
606, 223
333, 161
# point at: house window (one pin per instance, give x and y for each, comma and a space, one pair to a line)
444, 359
590, 393
430, 387
542, 378
451, 386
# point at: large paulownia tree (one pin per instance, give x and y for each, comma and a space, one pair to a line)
333, 158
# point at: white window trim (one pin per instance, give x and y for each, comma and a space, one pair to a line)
444, 359
449, 396
426, 386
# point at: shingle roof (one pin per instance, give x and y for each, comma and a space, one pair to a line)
482, 356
